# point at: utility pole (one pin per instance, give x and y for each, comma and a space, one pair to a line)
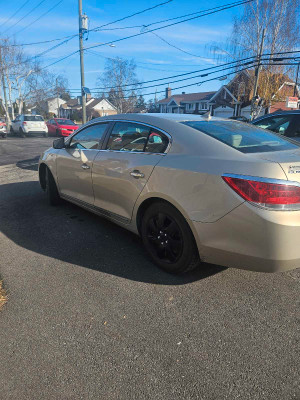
4, 88
257, 72
81, 30
296, 82
57, 99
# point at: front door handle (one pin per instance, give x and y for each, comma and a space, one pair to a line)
84, 166
137, 174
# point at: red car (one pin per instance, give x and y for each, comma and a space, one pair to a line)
3, 131
61, 127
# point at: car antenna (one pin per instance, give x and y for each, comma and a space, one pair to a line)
207, 116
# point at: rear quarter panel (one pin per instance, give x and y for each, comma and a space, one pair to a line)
194, 185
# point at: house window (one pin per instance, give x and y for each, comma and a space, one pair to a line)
204, 106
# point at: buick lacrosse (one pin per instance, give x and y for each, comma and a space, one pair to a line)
195, 189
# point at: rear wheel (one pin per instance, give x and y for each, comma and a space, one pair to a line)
45, 134
51, 189
168, 239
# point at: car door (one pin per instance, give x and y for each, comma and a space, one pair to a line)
16, 124
50, 127
122, 168
74, 163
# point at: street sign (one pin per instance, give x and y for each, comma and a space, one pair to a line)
292, 102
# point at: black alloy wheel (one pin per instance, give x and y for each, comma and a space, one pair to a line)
168, 239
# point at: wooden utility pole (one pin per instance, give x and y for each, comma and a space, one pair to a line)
296, 82
257, 70
83, 102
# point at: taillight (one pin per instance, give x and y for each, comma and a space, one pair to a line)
24, 123
266, 193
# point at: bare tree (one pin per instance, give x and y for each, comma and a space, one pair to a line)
120, 80
280, 18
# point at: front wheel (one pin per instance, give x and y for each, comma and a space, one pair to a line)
22, 134
45, 134
51, 189
168, 239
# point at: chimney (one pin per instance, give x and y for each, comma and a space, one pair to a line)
168, 92
88, 96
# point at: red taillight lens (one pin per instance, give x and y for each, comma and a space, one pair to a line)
24, 123
266, 194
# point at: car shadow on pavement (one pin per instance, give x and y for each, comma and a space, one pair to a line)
75, 236
32, 164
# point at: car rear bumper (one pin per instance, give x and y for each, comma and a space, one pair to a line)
251, 238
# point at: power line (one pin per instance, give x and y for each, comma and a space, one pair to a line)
174, 23
132, 15
21, 19
37, 19
15, 13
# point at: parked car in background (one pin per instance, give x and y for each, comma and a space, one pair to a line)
61, 127
286, 123
29, 124
3, 131
195, 189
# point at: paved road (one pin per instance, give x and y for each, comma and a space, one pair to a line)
89, 316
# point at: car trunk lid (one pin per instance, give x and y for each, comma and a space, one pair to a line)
289, 161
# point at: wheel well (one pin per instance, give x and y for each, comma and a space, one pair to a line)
42, 176
146, 204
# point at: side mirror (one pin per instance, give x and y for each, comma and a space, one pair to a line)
59, 143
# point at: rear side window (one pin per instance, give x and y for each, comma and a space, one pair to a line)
89, 138
33, 118
129, 136
242, 137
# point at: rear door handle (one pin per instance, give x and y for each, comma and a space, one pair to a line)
137, 174
84, 166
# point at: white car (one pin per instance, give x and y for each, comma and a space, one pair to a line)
27, 124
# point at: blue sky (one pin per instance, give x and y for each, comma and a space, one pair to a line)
155, 59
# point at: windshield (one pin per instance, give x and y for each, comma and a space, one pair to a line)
64, 122
33, 118
242, 137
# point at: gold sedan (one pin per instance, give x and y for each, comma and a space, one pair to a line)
195, 189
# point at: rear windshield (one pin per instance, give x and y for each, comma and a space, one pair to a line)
242, 137
64, 122
33, 118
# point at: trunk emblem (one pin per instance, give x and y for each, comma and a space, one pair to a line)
294, 169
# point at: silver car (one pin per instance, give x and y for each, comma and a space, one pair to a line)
195, 189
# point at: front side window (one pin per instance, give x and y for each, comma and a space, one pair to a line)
279, 124
129, 136
89, 138
242, 137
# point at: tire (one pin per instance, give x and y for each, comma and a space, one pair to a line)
168, 239
45, 134
57, 133
12, 131
51, 189
21, 132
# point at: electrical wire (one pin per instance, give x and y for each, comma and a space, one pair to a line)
15, 13
21, 19
37, 19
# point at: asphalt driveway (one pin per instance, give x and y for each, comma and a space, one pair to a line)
90, 317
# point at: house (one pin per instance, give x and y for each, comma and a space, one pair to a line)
51, 105
94, 108
191, 103
233, 99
